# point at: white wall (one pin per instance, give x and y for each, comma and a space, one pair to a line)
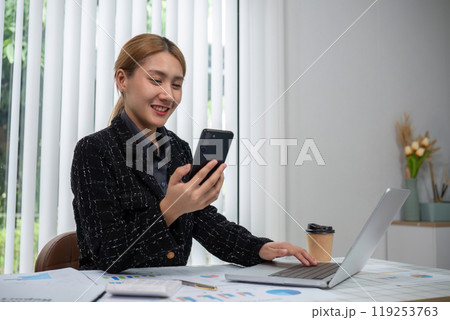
395, 59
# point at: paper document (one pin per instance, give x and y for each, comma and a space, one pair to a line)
213, 276
63, 285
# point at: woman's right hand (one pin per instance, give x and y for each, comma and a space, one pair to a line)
191, 196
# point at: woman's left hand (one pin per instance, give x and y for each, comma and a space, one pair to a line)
272, 250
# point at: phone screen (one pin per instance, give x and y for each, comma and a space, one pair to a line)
213, 144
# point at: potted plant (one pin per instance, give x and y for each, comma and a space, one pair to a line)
416, 151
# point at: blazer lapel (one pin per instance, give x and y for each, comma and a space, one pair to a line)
125, 135
150, 181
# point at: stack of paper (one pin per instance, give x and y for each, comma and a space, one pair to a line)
57, 285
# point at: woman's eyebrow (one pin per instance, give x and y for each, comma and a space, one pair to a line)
164, 75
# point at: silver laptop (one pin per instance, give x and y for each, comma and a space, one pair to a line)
329, 274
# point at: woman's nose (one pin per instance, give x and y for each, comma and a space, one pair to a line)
165, 92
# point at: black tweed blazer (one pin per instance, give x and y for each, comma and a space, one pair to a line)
118, 218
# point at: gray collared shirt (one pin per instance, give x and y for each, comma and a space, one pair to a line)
159, 171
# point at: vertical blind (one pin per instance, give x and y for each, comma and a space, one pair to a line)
51, 110
31, 127
72, 93
13, 141
76, 93
261, 117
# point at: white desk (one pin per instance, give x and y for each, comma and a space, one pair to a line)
379, 281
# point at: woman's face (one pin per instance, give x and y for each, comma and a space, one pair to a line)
151, 96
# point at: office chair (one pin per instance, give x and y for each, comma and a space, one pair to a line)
60, 252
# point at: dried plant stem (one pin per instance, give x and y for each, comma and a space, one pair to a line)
404, 131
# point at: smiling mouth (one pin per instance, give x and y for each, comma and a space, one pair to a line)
160, 108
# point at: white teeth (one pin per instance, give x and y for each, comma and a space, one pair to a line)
161, 109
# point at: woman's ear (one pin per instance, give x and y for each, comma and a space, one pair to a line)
121, 80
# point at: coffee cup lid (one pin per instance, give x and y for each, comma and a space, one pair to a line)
316, 228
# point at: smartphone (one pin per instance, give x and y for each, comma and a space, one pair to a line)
213, 144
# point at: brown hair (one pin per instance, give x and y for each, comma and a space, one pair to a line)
135, 51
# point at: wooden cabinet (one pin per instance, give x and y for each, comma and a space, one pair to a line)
422, 243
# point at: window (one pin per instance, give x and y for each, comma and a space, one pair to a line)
62, 89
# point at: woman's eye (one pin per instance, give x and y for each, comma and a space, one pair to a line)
176, 86
156, 81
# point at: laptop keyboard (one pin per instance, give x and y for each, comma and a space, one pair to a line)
321, 271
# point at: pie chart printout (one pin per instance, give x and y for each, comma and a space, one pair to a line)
284, 292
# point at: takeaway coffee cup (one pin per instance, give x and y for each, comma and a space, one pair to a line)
320, 241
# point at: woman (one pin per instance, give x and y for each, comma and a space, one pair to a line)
127, 217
